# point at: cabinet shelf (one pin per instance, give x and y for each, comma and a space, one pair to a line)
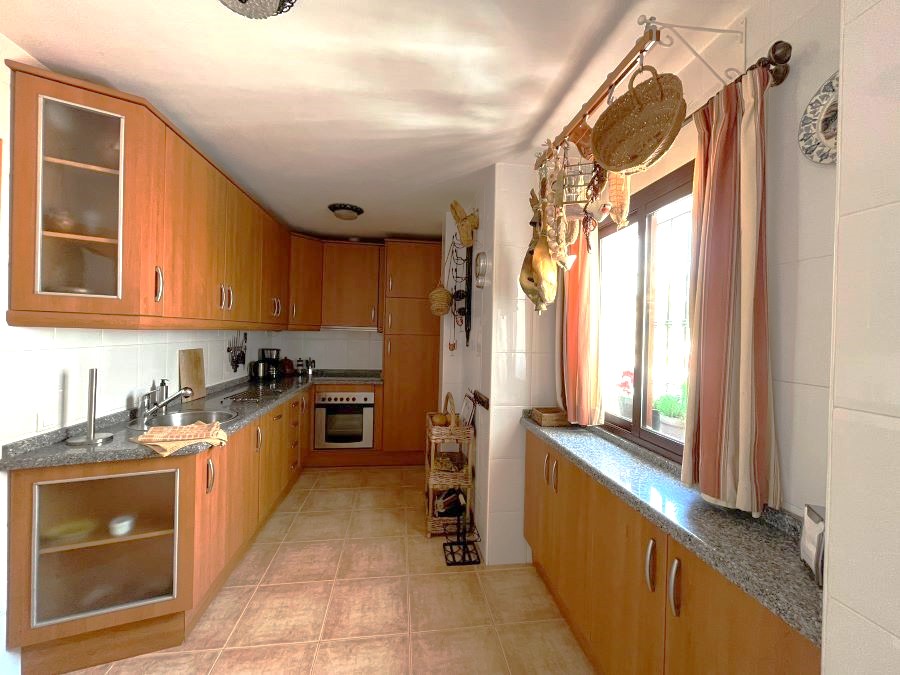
87, 238
150, 531
81, 165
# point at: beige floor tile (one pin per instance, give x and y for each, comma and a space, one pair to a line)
93, 670
464, 650
378, 523
329, 500
415, 522
414, 497
307, 480
304, 561
183, 663
438, 601
414, 477
426, 556
293, 500
518, 595
342, 478
383, 557
387, 655
217, 622
367, 607
384, 478
543, 647
283, 613
313, 526
297, 658
379, 498
253, 565
275, 528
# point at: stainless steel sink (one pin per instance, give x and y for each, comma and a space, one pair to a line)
179, 419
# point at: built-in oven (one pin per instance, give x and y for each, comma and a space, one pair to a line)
345, 420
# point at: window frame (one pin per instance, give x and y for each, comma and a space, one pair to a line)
672, 186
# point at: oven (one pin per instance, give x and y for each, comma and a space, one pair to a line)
345, 420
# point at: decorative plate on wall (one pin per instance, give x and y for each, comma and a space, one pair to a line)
819, 124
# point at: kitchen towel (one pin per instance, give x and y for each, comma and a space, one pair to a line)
167, 440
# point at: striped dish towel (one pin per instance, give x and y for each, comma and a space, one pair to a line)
166, 440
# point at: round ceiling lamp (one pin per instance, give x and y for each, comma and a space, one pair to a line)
345, 211
259, 9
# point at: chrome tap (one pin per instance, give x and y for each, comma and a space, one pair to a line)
149, 404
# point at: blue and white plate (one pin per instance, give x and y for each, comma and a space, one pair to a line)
819, 124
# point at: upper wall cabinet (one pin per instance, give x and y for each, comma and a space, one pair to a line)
350, 285
87, 174
305, 312
413, 268
275, 252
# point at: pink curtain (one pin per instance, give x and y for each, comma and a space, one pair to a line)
730, 452
580, 339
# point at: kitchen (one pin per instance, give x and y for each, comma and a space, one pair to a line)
271, 236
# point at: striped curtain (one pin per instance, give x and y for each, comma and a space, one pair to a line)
730, 452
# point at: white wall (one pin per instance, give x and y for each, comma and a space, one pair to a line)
862, 565
355, 349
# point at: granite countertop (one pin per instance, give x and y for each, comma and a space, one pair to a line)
761, 558
50, 449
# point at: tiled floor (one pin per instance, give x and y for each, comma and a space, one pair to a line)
341, 579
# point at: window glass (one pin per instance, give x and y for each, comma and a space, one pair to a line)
666, 297
618, 298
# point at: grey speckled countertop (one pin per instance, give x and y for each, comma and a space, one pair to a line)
761, 559
51, 450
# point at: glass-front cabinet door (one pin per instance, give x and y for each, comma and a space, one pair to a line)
87, 182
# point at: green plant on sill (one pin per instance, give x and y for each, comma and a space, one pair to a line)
671, 405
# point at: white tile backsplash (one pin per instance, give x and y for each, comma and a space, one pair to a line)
850, 640
511, 381
507, 433
512, 325
334, 348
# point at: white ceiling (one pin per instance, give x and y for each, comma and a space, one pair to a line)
390, 104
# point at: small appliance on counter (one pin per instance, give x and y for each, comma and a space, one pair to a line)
269, 366
812, 541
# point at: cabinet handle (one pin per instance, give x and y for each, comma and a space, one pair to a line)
373, 313
547, 469
160, 283
674, 603
222, 295
293, 310
230, 298
294, 444
389, 346
554, 473
280, 307
210, 475
650, 559
277, 417
258, 438
390, 319
390, 283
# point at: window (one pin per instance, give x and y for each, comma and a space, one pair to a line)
644, 337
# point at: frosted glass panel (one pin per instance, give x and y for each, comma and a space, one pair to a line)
83, 565
80, 200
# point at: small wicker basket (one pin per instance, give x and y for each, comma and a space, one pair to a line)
440, 299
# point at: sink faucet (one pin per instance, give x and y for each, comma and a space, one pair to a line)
150, 406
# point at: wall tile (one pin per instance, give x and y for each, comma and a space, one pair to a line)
870, 175
507, 263
507, 544
800, 318
511, 380
863, 564
543, 380
507, 433
512, 325
507, 484
853, 8
76, 337
867, 312
801, 428
544, 330
853, 644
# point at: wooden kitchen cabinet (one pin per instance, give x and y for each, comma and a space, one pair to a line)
193, 234
274, 249
87, 169
627, 589
350, 285
410, 372
242, 482
717, 628
413, 268
305, 312
410, 316
243, 269
211, 519
274, 457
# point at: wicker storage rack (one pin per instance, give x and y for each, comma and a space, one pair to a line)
446, 469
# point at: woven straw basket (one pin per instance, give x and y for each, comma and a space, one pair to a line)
440, 299
640, 126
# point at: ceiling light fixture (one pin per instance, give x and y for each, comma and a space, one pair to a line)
345, 211
259, 9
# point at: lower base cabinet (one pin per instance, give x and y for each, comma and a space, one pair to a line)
608, 568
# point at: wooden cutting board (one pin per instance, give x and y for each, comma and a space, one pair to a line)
191, 372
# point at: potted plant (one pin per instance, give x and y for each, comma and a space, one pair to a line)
672, 409
626, 394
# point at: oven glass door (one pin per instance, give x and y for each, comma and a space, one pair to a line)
344, 424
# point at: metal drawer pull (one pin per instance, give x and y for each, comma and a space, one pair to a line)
373, 313
277, 417
210, 475
547, 469
650, 559
554, 473
389, 346
674, 603
390, 283
230, 298
293, 310
390, 319
258, 438
222, 296
160, 283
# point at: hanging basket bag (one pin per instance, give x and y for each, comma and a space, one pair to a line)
440, 299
